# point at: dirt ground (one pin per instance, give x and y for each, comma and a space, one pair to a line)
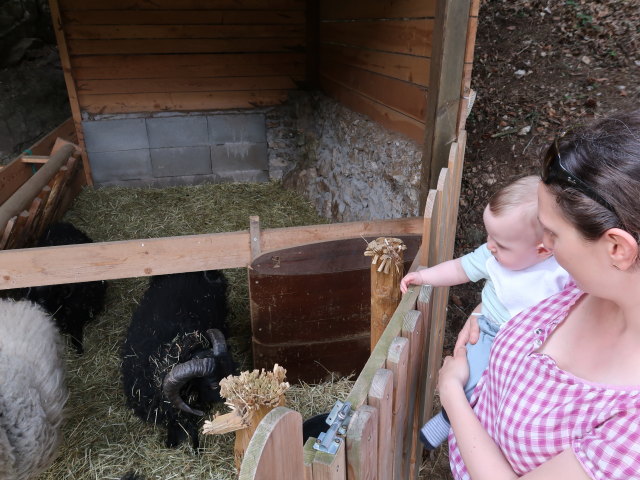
540, 66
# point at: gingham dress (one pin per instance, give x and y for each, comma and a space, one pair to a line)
534, 410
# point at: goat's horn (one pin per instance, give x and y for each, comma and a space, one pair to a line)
181, 374
218, 342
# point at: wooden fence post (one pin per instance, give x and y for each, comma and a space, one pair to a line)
386, 272
275, 451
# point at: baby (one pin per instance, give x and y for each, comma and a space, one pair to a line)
519, 272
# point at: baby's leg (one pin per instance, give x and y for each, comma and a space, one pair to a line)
436, 430
478, 353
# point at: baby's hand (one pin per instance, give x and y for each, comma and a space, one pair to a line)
412, 278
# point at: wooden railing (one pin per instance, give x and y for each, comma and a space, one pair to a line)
37, 187
394, 391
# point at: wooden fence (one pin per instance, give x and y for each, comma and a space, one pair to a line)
394, 392
37, 187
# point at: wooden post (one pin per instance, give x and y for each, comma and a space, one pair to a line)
275, 451
386, 272
252, 396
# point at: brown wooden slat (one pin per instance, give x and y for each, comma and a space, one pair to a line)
180, 101
362, 444
146, 46
92, 87
398, 363
182, 66
330, 467
357, 9
409, 68
391, 119
409, 36
312, 362
12, 176
184, 4
279, 432
37, 221
17, 231
413, 330
178, 31
308, 455
7, 232
406, 98
187, 17
381, 397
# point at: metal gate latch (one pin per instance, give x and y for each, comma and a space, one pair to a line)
338, 421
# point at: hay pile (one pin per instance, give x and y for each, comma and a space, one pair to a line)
102, 439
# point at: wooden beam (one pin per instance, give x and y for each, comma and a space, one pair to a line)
37, 159
65, 61
23, 197
155, 256
445, 84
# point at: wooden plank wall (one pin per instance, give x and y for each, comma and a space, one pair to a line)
374, 57
143, 56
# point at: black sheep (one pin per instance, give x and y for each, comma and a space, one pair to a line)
72, 305
175, 349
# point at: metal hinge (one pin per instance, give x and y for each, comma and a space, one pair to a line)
338, 421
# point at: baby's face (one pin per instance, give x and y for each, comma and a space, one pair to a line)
512, 239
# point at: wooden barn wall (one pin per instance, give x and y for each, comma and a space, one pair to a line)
374, 58
149, 56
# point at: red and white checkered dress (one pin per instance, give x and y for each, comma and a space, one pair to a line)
534, 410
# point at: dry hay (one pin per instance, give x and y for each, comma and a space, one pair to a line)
102, 438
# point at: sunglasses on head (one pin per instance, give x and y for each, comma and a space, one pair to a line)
554, 172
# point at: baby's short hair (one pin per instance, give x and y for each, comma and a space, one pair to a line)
522, 193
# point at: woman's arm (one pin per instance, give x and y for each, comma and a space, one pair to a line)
482, 457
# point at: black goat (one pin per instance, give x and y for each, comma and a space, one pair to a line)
175, 349
72, 305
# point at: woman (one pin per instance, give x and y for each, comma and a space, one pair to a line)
561, 396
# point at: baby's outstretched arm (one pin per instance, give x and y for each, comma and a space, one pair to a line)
445, 274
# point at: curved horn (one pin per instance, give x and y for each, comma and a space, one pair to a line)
218, 342
181, 374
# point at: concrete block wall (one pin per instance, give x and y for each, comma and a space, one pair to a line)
175, 149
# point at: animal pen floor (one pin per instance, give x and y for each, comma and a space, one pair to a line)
102, 438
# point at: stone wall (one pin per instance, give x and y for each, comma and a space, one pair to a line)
33, 95
348, 166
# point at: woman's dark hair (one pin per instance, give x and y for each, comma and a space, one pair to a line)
605, 156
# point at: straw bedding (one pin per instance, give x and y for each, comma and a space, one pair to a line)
103, 439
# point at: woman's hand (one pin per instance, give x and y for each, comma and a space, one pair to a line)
454, 374
470, 333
